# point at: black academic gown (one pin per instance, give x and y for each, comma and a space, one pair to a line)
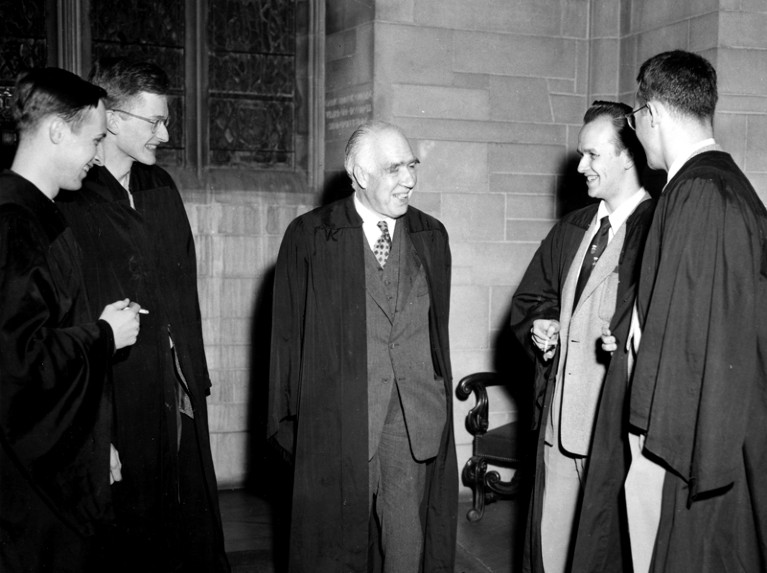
600, 541
318, 377
147, 254
54, 408
699, 386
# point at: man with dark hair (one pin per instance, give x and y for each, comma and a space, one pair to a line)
695, 493
55, 466
137, 242
579, 285
360, 386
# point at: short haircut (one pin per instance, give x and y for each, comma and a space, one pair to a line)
41, 92
684, 81
360, 139
123, 79
625, 137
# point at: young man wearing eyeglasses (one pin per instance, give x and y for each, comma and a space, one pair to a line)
696, 495
131, 224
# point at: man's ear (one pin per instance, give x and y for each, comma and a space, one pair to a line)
112, 123
628, 160
657, 111
57, 128
360, 177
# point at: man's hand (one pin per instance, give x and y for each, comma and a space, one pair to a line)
609, 344
123, 317
545, 335
115, 466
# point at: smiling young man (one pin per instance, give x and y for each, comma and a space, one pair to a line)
360, 386
580, 282
54, 355
136, 240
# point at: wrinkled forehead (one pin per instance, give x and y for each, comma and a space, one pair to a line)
391, 147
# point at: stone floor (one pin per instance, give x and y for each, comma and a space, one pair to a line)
255, 535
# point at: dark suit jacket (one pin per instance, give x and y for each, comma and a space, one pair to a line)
319, 385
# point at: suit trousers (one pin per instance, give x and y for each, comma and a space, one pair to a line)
397, 484
563, 481
562, 486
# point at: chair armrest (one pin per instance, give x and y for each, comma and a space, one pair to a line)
477, 418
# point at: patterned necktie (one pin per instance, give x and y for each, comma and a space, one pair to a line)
596, 248
383, 244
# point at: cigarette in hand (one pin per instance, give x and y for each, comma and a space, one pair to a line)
143, 311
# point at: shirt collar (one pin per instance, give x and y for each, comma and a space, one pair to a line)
682, 158
624, 210
370, 221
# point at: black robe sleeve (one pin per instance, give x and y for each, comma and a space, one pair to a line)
696, 370
288, 311
537, 296
52, 372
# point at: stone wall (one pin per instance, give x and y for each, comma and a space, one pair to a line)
731, 34
491, 94
238, 225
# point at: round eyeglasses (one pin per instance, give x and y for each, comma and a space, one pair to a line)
155, 122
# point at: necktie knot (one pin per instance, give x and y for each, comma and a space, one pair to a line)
383, 244
596, 248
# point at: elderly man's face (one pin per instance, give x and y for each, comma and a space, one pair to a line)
389, 173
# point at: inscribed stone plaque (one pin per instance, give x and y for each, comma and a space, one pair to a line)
346, 109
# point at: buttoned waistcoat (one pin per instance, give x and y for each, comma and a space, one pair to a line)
400, 366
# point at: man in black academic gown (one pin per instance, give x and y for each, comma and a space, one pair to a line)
131, 224
696, 493
54, 358
580, 282
360, 387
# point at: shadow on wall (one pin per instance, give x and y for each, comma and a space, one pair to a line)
337, 186
268, 472
571, 192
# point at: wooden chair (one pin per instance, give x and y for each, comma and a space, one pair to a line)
498, 446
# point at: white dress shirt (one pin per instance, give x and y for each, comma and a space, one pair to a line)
370, 220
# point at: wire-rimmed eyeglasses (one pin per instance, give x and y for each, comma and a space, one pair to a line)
631, 118
155, 122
